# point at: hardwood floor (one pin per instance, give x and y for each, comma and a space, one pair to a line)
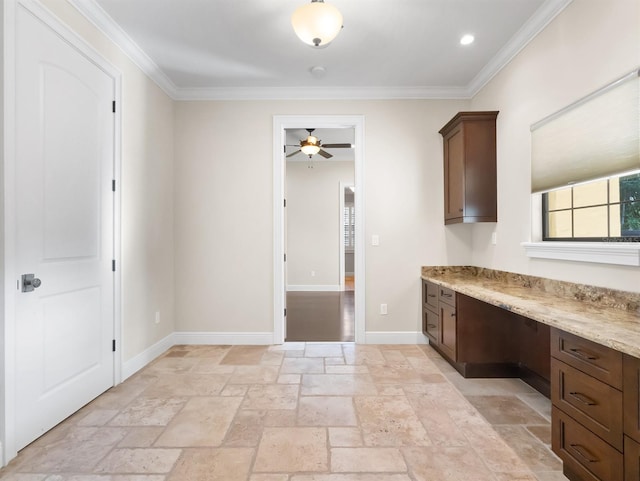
320, 316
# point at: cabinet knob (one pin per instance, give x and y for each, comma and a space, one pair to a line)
460, 210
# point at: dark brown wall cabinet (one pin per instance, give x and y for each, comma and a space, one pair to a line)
470, 168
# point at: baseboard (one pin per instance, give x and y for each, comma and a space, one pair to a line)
139, 361
319, 288
395, 337
222, 338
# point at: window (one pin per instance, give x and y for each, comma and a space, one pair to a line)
349, 227
604, 210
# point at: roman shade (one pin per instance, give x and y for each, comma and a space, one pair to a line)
595, 137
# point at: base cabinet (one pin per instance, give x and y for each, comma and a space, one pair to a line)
596, 410
483, 340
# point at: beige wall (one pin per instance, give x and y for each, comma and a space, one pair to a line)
146, 190
588, 45
314, 221
224, 210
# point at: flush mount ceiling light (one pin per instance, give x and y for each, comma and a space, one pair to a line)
467, 39
317, 23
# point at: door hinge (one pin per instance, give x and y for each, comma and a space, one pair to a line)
113, 106
113, 265
285, 312
285, 202
113, 345
285, 257
113, 185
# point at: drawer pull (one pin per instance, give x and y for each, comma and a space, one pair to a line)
431, 326
583, 354
431, 295
444, 294
584, 453
583, 399
453, 314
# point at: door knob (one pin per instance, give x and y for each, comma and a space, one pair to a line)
30, 282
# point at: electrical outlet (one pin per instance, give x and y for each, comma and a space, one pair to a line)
494, 238
157, 317
313, 273
383, 309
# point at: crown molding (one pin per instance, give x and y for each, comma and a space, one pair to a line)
101, 19
96, 15
321, 93
540, 19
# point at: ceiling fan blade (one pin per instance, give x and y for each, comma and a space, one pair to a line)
325, 154
337, 146
293, 153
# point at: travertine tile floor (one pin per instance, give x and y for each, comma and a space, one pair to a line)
300, 412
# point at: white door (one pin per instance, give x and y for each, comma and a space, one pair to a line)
64, 236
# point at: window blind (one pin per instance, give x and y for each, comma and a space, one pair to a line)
595, 137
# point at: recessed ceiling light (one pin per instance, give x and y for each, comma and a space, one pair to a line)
467, 39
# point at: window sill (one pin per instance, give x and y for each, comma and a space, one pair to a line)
618, 253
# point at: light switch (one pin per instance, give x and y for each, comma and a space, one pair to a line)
375, 240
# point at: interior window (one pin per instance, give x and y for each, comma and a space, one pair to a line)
601, 210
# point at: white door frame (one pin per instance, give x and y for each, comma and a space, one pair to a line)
280, 123
10, 276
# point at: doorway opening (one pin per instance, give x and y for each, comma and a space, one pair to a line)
311, 300
319, 235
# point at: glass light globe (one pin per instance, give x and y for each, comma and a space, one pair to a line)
317, 23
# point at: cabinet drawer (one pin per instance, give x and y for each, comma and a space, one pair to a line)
430, 295
592, 403
594, 359
448, 296
583, 452
431, 325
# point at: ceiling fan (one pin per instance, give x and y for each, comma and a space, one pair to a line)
313, 145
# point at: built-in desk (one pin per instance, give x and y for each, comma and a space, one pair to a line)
579, 343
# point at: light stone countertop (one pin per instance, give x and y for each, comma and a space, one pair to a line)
605, 316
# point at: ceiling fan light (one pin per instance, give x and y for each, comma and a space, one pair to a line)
310, 149
317, 23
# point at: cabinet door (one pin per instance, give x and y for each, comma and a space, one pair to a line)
631, 374
448, 330
631, 459
454, 174
431, 325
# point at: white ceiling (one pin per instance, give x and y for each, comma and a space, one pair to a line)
387, 48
